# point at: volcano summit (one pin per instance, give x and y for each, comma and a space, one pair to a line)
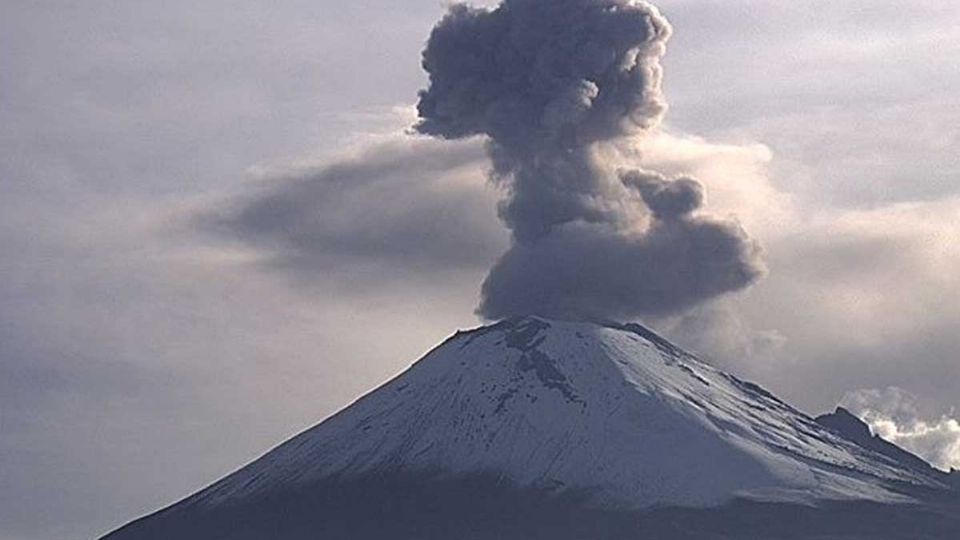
534, 428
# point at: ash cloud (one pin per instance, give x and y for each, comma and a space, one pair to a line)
405, 205
554, 85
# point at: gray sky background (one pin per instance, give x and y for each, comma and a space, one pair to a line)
151, 340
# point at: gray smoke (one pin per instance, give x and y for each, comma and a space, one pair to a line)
553, 83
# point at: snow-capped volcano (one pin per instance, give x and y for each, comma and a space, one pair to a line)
612, 415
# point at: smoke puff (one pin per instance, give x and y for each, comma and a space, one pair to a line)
666, 199
591, 271
535, 73
558, 189
552, 83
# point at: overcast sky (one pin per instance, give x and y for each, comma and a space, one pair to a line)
216, 230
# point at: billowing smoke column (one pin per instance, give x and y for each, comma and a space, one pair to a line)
553, 83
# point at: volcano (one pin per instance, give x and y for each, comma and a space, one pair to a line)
533, 428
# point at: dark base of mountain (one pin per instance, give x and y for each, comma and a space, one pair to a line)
480, 509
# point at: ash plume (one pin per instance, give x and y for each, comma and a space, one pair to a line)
554, 84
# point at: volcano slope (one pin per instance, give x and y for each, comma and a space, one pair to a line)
533, 428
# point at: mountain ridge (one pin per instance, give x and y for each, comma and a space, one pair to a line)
853, 428
603, 419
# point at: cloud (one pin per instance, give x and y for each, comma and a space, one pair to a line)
556, 86
894, 414
595, 271
401, 205
884, 108
864, 295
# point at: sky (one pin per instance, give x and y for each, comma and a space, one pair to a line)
217, 227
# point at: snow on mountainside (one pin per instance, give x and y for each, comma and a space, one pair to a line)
613, 411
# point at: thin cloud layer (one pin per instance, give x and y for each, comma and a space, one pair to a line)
405, 204
865, 295
555, 85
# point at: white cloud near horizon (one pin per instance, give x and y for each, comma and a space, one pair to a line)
893, 414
